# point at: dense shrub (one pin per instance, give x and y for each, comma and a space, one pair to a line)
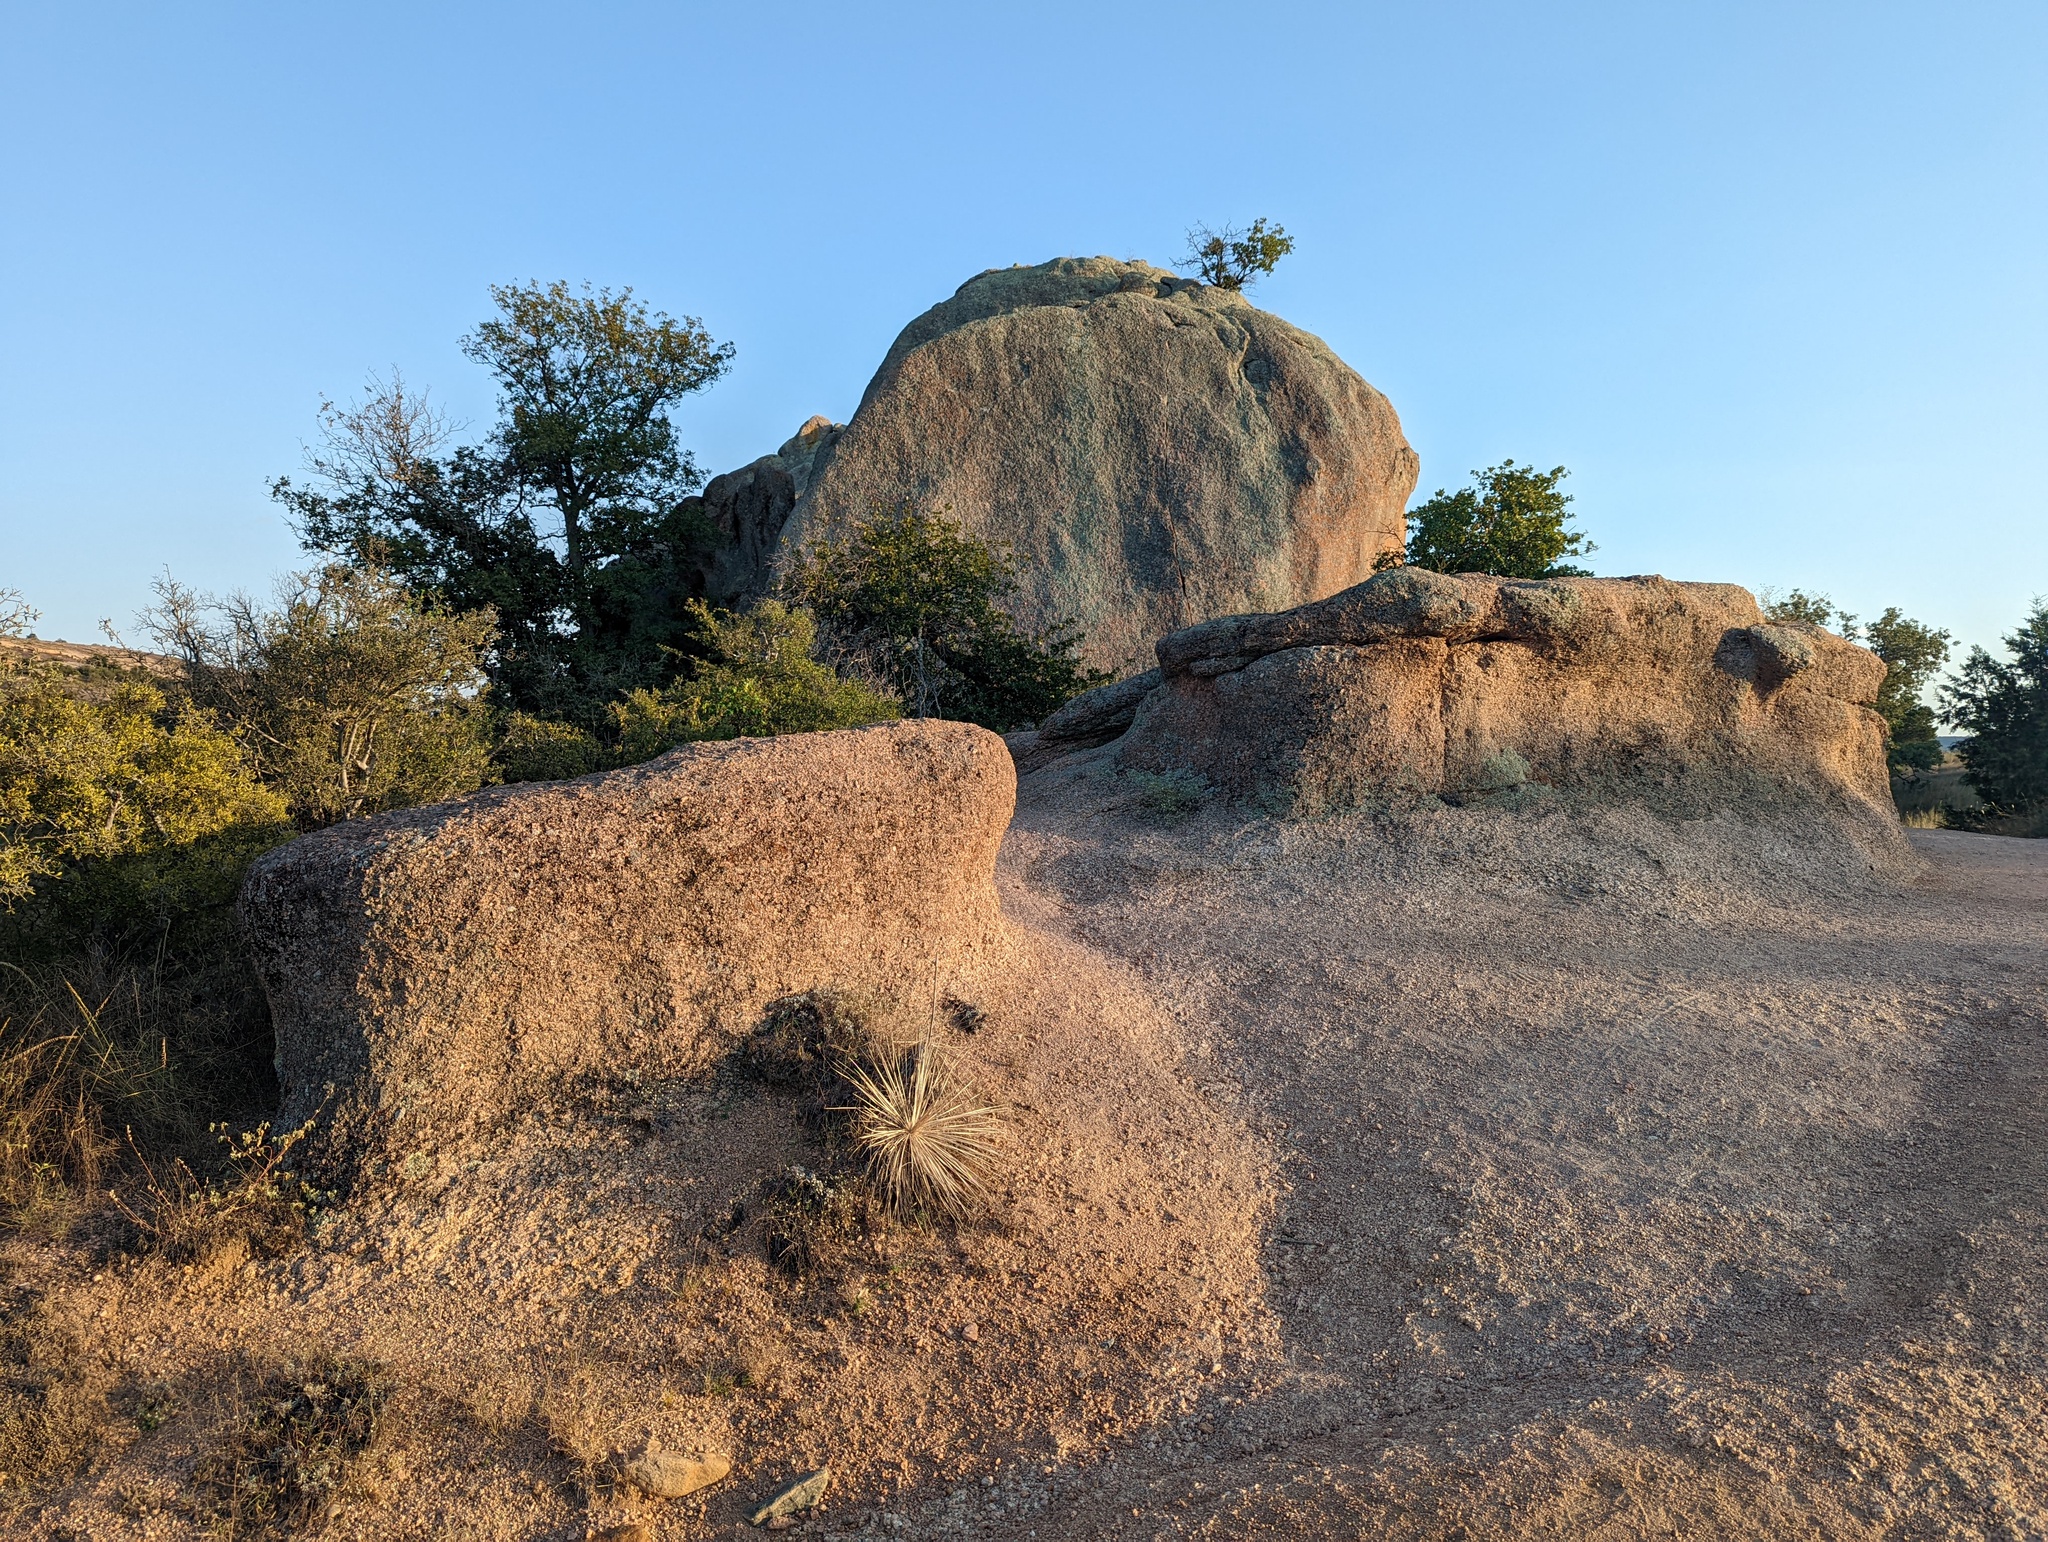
1510, 522
127, 818
535, 749
921, 602
351, 695
762, 677
102, 764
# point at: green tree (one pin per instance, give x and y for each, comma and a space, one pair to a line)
2002, 704
1912, 653
566, 523
910, 592
1511, 522
349, 694
1234, 259
763, 677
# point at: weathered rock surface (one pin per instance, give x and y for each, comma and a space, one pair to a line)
748, 509
1422, 682
1155, 451
432, 968
674, 1475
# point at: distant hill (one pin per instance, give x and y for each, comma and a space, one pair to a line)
78, 655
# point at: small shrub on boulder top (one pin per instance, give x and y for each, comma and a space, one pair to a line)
1234, 259
2003, 705
1510, 523
922, 601
763, 678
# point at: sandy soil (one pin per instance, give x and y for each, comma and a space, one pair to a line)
1468, 1173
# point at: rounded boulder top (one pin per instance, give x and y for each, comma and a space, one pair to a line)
1153, 451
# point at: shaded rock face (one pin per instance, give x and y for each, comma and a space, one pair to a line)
1155, 451
748, 509
1418, 682
428, 970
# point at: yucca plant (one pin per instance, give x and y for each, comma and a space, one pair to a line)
927, 1140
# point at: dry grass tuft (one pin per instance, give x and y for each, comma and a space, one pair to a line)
928, 1142
1925, 819
287, 1443
261, 1204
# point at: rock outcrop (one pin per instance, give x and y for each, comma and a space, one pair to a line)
1155, 451
432, 969
748, 509
1681, 695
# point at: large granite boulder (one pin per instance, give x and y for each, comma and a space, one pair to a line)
431, 970
1155, 451
1678, 694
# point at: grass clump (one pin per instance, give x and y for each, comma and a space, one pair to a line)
98, 1055
287, 1444
928, 1141
1167, 799
260, 1203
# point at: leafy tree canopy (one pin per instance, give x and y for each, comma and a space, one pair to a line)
2003, 705
1510, 522
1234, 259
565, 523
921, 603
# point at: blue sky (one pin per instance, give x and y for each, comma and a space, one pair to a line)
1769, 279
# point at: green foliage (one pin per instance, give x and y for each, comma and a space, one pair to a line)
921, 602
762, 678
1912, 653
1231, 258
1170, 798
101, 765
532, 749
2003, 705
1510, 523
567, 523
350, 695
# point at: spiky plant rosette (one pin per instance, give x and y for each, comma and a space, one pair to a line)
928, 1141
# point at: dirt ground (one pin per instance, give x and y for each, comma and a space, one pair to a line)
1442, 1173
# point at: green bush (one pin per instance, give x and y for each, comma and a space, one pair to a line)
351, 695
762, 678
533, 749
1511, 523
921, 601
102, 764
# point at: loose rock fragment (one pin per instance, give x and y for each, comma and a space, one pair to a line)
800, 1495
671, 1475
